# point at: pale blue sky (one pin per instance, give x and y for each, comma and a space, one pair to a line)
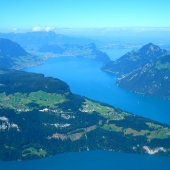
27, 14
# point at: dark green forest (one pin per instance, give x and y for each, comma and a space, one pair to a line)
40, 117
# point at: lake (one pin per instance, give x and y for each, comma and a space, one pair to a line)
92, 160
85, 78
116, 53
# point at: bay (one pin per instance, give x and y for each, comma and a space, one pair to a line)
85, 78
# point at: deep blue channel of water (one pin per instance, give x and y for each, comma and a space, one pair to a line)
92, 160
85, 78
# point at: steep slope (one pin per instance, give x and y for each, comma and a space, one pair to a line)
40, 117
12, 55
153, 79
135, 59
9, 52
10, 48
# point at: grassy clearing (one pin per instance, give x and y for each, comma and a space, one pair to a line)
109, 113
105, 111
90, 107
112, 127
152, 125
20, 101
33, 151
160, 65
160, 132
135, 133
44, 99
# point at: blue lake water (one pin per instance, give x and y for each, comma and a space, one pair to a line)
115, 53
92, 160
85, 78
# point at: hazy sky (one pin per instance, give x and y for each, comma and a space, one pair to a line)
47, 14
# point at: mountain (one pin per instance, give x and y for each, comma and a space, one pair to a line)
53, 48
39, 38
12, 55
9, 48
134, 60
153, 79
145, 71
86, 51
40, 117
50, 42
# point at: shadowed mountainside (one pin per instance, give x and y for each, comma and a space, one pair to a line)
145, 71
135, 59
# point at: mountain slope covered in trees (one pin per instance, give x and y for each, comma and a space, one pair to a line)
153, 79
12, 55
39, 117
145, 71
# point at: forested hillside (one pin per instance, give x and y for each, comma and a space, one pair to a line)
39, 117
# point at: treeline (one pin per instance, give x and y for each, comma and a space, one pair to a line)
24, 82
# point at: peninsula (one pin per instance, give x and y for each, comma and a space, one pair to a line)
40, 117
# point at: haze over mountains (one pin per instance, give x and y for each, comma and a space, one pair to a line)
134, 59
12, 55
130, 66
145, 71
40, 116
37, 39
87, 51
40, 43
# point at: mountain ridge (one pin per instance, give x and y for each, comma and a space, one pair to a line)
145, 71
36, 39
86, 51
13, 56
153, 79
135, 59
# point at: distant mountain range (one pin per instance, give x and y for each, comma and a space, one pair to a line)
37, 39
86, 51
145, 71
12, 55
